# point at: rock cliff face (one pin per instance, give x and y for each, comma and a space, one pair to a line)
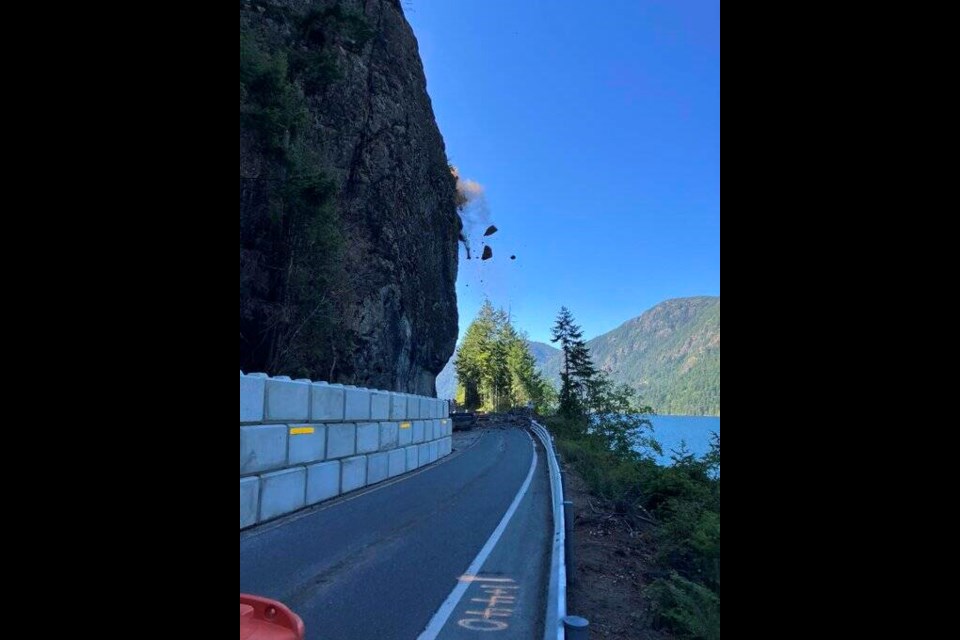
348, 215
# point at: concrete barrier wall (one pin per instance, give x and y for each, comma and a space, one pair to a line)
304, 442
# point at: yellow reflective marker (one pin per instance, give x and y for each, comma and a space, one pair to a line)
444, 422
302, 431
406, 425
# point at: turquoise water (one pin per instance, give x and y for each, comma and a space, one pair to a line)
671, 430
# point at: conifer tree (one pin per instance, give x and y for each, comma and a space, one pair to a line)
579, 375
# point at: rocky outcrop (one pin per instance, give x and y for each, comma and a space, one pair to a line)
386, 309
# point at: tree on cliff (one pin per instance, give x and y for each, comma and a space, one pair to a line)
290, 239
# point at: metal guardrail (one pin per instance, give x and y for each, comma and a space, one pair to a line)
557, 594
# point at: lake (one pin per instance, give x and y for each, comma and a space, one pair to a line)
671, 430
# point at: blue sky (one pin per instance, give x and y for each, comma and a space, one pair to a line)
595, 131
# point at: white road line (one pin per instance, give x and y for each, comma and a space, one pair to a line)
447, 608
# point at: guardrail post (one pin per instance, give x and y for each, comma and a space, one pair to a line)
576, 628
568, 524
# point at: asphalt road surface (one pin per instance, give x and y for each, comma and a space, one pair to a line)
391, 562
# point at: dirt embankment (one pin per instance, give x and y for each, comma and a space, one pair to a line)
613, 557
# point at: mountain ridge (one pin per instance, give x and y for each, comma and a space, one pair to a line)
670, 354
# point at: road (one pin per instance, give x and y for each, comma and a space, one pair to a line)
383, 563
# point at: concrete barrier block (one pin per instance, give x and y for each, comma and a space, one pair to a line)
379, 405
446, 428
413, 458
424, 453
262, 448
368, 437
378, 468
419, 428
308, 443
353, 474
287, 400
389, 435
425, 409
282, 492
249, 501
397, 464
357, 404
398, 406
434, 451
252, 390
447, 445
326, 402
341, 440
413, 407
405, 437
323, 481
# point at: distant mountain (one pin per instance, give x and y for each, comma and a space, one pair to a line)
447, 380
542, 353
670, 354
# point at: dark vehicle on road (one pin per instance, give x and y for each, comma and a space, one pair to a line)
463, 421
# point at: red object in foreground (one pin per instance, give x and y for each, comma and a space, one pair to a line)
263, 619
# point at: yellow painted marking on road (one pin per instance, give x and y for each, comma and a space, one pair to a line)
302, 431
469, 578
491, 612
499, 602
406, 425
493, 601
479, 624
